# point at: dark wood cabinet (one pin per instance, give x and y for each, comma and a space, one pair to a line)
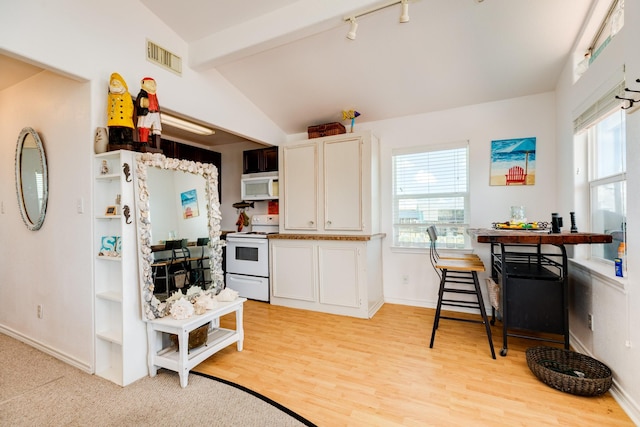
260, 160
177, 150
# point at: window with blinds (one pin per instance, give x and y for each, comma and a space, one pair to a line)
431, 187
607, 176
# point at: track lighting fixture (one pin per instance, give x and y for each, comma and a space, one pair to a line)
404, 16
351, 35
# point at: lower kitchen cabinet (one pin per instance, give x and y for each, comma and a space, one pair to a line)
338, 275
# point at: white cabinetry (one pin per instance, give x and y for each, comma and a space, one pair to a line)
120, 335
339, 276
330, 185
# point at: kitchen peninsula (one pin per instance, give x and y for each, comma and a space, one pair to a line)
338, 274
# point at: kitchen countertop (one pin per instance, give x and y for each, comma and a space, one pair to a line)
343, 237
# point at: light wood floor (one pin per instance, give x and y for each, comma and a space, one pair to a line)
339, 371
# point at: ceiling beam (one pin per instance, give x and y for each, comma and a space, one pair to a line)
285, 25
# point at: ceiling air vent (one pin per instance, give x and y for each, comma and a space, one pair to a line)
164, 58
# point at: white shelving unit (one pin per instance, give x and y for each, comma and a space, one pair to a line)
120, 336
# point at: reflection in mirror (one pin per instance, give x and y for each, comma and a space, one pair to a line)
31, 178
166, 211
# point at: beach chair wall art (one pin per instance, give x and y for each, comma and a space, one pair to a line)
513, 161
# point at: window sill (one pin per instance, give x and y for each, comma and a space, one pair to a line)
603, 271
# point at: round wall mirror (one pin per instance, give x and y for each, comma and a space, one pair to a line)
31, 178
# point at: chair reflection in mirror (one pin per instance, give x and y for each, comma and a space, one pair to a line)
171, 269
200, 263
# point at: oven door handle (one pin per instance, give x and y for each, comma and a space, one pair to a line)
247, 241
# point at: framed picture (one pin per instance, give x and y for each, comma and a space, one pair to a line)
513, 161
189, 200
111, 211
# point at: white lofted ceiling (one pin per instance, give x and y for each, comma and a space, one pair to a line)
292, 60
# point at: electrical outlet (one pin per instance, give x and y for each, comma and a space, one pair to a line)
590, 320
405, 279
39, 311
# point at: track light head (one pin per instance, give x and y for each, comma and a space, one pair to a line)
404, 16
351, 35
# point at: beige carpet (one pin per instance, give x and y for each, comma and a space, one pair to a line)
39, 390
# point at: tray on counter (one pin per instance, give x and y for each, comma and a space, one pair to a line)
523, 226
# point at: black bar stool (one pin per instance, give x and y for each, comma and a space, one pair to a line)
458, 277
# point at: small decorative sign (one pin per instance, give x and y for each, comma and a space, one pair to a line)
111, 211
111, 246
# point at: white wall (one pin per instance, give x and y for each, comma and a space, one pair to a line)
479, 124
86, 42
52, 266
94, 39
615, 339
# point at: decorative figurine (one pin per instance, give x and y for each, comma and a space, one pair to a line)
120, 112
350, 114
101, 141
105, 167
148, 111
574, 228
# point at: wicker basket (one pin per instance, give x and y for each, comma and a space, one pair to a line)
326, 129
569, 371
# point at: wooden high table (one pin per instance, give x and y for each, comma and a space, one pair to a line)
533, 281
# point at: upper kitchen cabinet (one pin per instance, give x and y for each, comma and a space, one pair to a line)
260, 160
330, 185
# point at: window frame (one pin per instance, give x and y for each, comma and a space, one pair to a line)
599, 252
418, 228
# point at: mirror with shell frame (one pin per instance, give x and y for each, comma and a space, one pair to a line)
32, 187
145, 169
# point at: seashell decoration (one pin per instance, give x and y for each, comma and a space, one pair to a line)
152, 307
182, 309
207, 300
227, 294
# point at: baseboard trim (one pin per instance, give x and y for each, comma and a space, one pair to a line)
48, 350
627, 404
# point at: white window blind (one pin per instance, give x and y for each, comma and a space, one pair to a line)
603, 106
431, 186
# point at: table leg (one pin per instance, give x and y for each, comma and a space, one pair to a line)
503, 297
151, 350
183, 370
240, 327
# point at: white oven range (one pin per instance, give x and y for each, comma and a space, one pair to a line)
247, 265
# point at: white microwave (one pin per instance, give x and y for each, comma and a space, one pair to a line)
259, 186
